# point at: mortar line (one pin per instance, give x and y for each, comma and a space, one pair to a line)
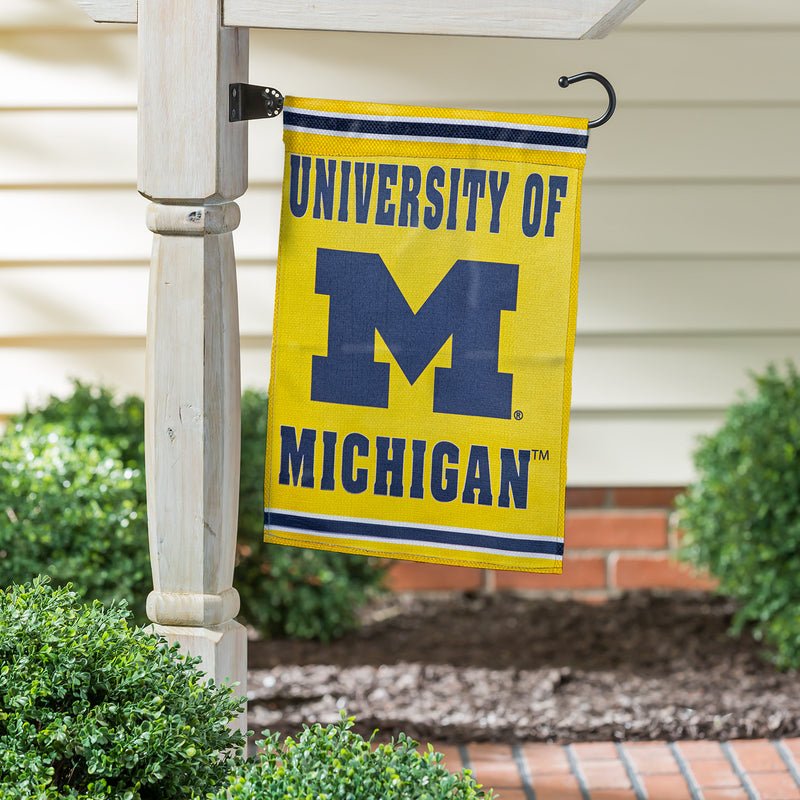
463, 754
633, 775
524, 774
788, 759
575, 767
686, 771
743, 777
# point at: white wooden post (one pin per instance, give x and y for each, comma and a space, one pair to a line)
192, 165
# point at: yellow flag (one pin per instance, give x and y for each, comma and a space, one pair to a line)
424, 331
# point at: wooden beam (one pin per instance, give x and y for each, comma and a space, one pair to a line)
111, 10
539, 19
554, 19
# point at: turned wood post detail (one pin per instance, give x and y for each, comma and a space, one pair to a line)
192, 165
192, 412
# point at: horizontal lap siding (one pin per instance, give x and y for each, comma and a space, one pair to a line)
691, 251
51, 299
47, 366
706, 145
618, 222
647, 67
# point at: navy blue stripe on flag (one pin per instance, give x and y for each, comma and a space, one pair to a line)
419, 535
380, 127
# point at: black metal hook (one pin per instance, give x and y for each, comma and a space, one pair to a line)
564, 81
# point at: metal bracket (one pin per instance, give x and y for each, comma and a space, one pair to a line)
253, 102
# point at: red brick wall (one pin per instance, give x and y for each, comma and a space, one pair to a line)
616, 539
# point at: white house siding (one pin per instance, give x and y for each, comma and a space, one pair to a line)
691, 214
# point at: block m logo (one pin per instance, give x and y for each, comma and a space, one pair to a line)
465, 305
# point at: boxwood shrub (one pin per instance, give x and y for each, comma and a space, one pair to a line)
741, 518
324, 763
92, 708
72, 505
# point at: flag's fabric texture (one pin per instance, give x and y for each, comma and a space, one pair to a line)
423, 335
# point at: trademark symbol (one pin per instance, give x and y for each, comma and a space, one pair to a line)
518, 415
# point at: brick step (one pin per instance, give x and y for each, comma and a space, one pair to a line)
607, 551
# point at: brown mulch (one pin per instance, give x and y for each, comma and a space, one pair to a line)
505, 668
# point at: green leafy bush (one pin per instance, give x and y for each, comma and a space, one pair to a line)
333, 762
72, 498
91, 708
93, 410
290, 591
742, 516
72, 505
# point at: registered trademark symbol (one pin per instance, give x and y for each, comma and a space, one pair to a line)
518, 415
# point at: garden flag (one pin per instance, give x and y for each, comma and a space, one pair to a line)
424, 331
